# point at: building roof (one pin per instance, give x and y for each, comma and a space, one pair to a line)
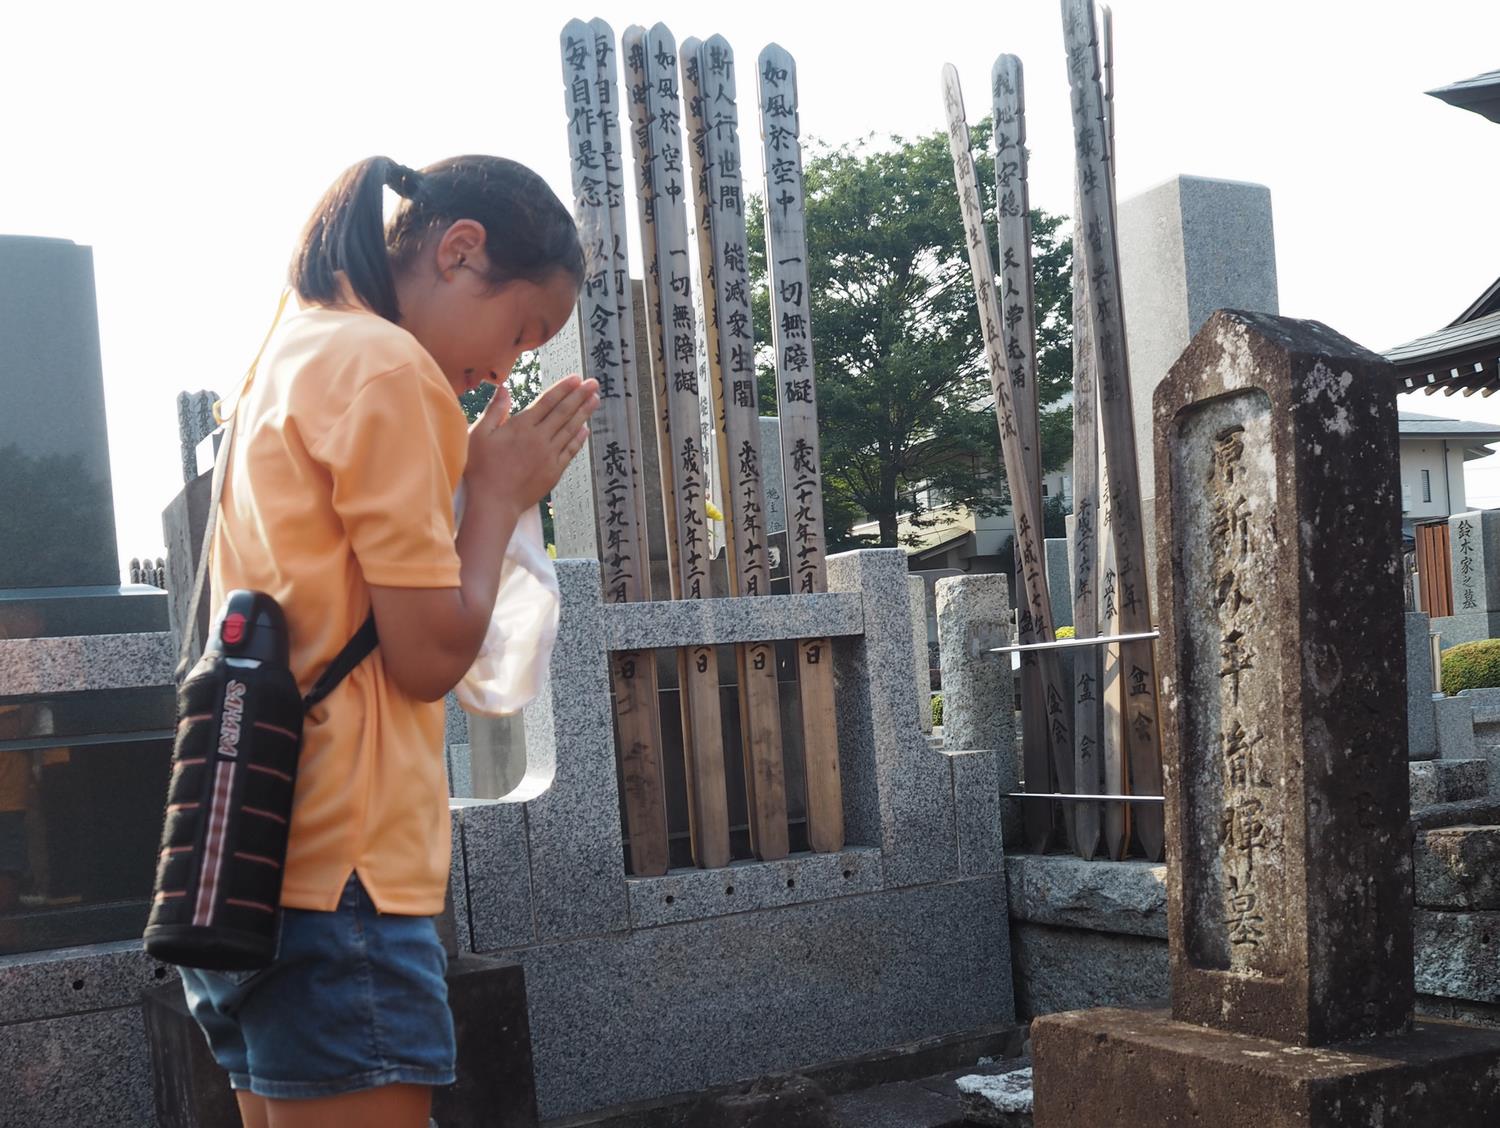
1458, 357
1412, 425
1480, 94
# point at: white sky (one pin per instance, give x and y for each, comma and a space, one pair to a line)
186, 144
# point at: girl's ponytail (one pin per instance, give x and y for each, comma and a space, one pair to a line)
347, 233
529, 232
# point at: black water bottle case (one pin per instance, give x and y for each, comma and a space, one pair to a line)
229, 802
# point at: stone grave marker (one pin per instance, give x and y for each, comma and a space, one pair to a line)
1283, 673
1474, 547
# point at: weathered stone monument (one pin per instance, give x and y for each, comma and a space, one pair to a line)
1289, 889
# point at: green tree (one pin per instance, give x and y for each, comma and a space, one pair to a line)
903, 391
525, 385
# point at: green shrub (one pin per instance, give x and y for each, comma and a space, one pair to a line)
1474, 665
1065, 632
937, 709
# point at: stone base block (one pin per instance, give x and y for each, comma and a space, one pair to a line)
1447, 781
1064, 969
1455, 955
1454, 717
1128, 1067
1458, 867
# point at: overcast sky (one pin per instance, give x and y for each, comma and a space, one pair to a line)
186, 143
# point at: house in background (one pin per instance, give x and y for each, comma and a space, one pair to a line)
1433, 453
955, 538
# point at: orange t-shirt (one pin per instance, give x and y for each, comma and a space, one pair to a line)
348, 447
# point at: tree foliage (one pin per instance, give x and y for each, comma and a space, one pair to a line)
903, 392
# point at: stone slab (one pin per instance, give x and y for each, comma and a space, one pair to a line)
1065, 969
1128, 1067
979, 810
57, 508
182, 524
1469, 812
898, 790
1474, 546
460, 771
1458, 868
1447, 781
577, 853
1469, 627
68, 981
676, 622
1421, 727
1001, 1101
1056, 889
1059, 581
40, 1086
916, 590
1454, 718
575, 531
684, 895
1188, 247
1456, 955
497, 889
81, 663
105, 609
495, 1084
773, 991
189, 1088
1289, 886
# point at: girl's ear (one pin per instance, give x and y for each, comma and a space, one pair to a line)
461, 245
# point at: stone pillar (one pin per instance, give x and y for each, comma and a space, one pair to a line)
1421, 723
1289, 882
898, 790
978, 695
573, 813
916, 590
771, 474
1060, 581
1187, 247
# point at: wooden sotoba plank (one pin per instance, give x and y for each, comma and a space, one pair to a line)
797, 412
655, 110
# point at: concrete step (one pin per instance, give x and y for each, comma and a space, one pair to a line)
1458, 867
1447, 781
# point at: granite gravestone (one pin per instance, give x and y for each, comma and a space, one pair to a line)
1474, 548
1187, 247
60, 574
82, 772
1289, 888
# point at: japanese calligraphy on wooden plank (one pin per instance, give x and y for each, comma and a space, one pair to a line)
618, 509
656, 130
797, 410
714, 113
1034, 598
1095, 179
1043, 740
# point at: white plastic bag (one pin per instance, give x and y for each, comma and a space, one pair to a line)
512, 664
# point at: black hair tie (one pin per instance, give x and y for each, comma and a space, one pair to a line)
403, 181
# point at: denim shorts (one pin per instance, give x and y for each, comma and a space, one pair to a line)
355, 999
